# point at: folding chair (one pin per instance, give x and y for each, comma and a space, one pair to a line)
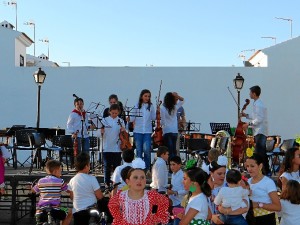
21, 143
66, 143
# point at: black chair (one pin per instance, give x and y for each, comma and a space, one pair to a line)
199, 147
37, 142
21, 143
279, 153
66, 143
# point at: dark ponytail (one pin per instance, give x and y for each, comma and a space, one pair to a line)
201, 177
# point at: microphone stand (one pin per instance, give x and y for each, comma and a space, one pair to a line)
82, 136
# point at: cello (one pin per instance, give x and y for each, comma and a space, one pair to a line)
157, 135
239, 139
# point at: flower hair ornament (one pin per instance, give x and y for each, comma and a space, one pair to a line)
191, 164
249, 152
138, 163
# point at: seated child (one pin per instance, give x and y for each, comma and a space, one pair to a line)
84, 190
212, 155
232, 197
50, 188
160, 170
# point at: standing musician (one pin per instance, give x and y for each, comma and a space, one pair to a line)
113, 125
113, 99
259, 124
75, 126
172, 102
143, 115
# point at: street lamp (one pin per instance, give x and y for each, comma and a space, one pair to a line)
289, 20
39, 78
46, 40
32, 24
15, 4
238, 83
273, 38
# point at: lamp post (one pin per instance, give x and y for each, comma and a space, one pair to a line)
238, 83
289, 20
39, 78
46, 40
32, 24
273, 38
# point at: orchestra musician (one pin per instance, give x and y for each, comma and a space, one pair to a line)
78, 124
172, 102
113, 99
259, 124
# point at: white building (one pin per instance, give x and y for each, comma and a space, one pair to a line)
205, 89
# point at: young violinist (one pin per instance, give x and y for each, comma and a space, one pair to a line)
259, 124
143, 115
111, 141
172, 102
77, 120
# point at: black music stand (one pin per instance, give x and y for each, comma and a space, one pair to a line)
11, 131
215, 127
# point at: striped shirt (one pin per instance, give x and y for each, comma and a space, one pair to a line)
50, 188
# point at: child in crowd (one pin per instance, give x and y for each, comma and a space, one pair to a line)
195, 180
233, 197
212, 155
177, 191
128, 156
84, 190
290, 203
4, 155
160, 170
111, 141
50, 188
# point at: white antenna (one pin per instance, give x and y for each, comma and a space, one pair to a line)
32, 23
289, 20
13, 3
46, 40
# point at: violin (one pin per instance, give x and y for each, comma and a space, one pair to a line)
157, 135
124, 138
239, 139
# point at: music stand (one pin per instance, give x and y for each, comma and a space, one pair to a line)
215, 127
11, 131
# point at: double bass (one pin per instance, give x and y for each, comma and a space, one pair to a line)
239, 140
157, 135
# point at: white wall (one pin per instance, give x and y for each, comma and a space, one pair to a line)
20, 49
7, 45
204, 89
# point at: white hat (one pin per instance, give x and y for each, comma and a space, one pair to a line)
138, 163
222, 160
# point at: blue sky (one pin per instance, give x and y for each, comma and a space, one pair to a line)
153, 32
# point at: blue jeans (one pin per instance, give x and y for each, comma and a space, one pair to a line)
110, 159
261, 148
170, 140
143, 145
86, 144
233, 220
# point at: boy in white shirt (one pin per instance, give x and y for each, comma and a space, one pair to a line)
160, 170
177, 191
233, 196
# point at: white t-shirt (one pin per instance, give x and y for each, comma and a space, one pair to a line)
232, 197
199, 203
261, 190
5, 153
169, 122
159, 175
289, 213
83, 187
291, 176
111, 140
116, 177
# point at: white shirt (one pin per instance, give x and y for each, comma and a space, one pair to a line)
199, 203
83, 187
259, 118
5, 153
143, 118
74, 124
289, 213
116, 177
169, 122
291, 176
159, 175
261, 190
111, 140
232, 197
177, 185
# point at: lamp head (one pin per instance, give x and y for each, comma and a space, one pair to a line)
39, 76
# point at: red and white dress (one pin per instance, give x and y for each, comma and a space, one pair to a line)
126, 211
